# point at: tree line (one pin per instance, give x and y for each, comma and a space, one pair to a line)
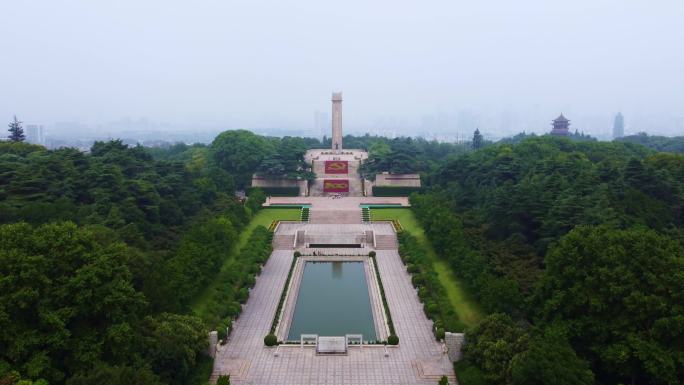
101, 255
575, 248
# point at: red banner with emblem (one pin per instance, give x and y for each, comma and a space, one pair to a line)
335, 185
336, 167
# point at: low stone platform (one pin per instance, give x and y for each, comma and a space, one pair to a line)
331, 345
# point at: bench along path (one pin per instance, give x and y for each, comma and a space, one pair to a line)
418, 360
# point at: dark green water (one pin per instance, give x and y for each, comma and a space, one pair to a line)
333, 301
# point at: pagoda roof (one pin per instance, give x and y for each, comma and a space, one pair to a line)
561, 118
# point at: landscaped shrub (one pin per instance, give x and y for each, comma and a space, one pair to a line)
440, 333
390, 323
242, 295
255, 268
443, 381
226, 299
270, 340
436, 303
283, 294
223, 380
222, 328
233, 308
423, 293
431, 309
393, 340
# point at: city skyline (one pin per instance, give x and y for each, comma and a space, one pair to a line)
506, 66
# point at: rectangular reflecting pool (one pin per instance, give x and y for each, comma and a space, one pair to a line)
333, 300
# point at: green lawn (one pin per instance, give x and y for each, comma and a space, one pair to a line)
264, 218
468, 311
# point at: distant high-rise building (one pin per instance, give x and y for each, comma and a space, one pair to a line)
35, 134
321, 124
561, 126
619, 126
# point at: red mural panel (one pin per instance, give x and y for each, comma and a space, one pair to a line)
336, 167
335, 185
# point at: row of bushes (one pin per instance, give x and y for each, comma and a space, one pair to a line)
225, 303
283, 294
391, 191
280, 191
431, 292
392, 339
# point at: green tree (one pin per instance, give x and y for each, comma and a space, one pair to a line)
619, 294
171, 343
240, 153
493, 343
115, 375
255, 199
550, 359
66, 299
478, 140
16, 131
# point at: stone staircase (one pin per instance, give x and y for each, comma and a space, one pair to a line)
355, 182
355, 186
335, 216
386, 242
283, 242
353, 170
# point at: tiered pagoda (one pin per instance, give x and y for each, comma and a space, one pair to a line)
561, 126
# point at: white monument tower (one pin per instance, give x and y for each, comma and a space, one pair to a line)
337, 121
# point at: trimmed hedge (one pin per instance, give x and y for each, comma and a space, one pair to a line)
389, 191
270, 340
281, 302
280, 191
390, 323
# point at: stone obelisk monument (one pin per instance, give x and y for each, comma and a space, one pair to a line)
337, 121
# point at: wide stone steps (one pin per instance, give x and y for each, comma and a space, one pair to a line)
283, 242
335, 216
355, 186
386, 242
353, 169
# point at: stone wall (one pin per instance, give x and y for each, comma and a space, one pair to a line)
454, 343
266, 182
397, 180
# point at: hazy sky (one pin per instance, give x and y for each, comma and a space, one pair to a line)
257, 63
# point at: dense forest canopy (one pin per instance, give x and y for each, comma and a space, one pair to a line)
242, 153
575, 242
660, 143
574, 247
100, 256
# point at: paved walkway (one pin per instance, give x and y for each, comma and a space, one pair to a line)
418, 360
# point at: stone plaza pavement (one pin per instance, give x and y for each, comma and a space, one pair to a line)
418, 359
